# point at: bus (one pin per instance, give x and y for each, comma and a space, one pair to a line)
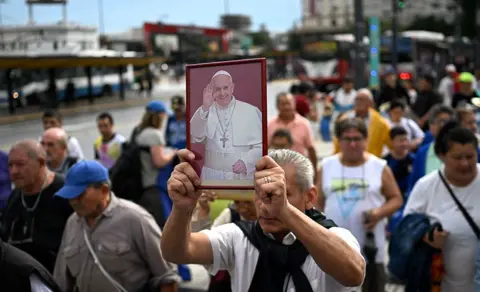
418, 53
30, 86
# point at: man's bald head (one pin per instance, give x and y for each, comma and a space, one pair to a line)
32, 148
56, 134
363, 102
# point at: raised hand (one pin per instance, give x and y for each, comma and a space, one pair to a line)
270, 186
183, 183
208, 98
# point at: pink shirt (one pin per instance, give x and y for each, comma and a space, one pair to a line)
300, 130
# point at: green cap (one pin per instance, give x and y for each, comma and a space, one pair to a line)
466, 77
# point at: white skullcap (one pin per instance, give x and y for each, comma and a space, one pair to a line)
221, 72
450, 68
365, 92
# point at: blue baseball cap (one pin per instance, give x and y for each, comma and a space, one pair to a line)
156, 107
80, 176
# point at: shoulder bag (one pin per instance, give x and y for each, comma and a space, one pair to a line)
100, 266
472, 224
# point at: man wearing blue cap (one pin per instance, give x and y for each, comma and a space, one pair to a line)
109, 244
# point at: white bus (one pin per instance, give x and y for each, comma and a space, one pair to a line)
29, 86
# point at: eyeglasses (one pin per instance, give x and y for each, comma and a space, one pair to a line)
351, 139
441, 122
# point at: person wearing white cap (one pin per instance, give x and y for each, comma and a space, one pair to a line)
446, 88
231, 131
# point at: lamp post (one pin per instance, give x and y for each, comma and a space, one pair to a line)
2, 36
394, 34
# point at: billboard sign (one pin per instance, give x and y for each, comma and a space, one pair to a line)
46, 1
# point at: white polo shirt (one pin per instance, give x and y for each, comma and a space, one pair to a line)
232, 251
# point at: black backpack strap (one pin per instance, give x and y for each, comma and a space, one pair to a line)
235, 214
467, 216
320, 218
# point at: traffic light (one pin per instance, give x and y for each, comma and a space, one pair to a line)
401, 4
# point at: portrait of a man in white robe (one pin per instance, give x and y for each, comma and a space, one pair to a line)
231, 130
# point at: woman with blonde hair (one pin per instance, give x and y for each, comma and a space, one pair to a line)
149, 134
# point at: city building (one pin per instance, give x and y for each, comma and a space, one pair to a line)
132, 40
327, 15
48, 38
338, 15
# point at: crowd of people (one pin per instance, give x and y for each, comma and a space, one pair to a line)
398, 191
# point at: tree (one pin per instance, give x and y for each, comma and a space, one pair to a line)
294, 41
261, 38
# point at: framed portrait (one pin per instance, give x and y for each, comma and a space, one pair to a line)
227, 123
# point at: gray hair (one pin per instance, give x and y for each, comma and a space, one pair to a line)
365, 92
439, 109
32, 148
303, 167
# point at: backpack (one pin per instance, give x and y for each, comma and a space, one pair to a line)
126, 173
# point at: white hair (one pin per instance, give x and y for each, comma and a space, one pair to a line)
303, 166
221, 72
365, 92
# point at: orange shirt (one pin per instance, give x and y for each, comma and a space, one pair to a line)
299, 128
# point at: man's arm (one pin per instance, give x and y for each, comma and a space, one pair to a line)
181, 246
61, 274
391, 192
198, 125
335, 250
147, 236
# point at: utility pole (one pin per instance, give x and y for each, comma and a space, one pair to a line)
226, 6
2, 35
477, 65
395, 4
359, 49
100, 17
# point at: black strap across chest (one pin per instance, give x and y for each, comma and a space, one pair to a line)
277, 261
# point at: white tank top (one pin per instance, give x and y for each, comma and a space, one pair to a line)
350, 191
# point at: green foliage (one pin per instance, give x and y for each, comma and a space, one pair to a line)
294, 42
261, 38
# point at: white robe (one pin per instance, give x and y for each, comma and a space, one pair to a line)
244, 142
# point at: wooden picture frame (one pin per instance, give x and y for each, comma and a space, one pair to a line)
226, 108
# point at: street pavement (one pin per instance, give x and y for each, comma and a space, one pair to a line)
82, 124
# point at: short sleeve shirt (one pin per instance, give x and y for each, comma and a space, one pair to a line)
232, 251
299, 128
149, 137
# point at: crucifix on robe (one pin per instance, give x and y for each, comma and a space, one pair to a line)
224, 140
